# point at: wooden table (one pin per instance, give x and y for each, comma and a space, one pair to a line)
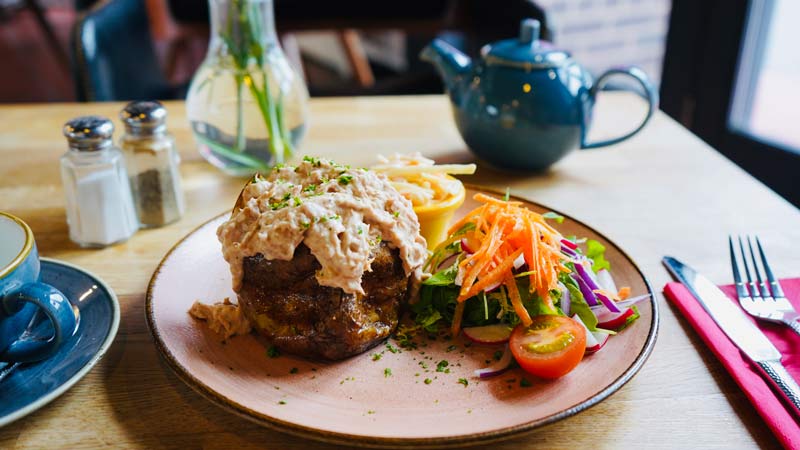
662, 192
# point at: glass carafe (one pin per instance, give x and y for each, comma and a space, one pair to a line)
247, 108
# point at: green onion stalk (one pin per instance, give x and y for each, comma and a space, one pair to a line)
243, 34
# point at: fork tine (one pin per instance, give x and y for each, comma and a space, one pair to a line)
760, 282
751, 285
741, 290
773, 282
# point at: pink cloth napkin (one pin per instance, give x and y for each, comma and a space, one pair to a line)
779, 418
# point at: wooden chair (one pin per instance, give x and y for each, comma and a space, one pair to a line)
480, 21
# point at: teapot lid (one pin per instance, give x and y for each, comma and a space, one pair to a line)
526, 51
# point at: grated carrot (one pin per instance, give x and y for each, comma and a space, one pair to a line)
504, 230
624, 292
516, 301
457, 315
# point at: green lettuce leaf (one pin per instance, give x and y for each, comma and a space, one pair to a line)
436, 303
477, 313
596, 252
446, 277
630, 319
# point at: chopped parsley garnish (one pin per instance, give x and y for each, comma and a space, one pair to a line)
293, 370
282, 203
508, 194
440, 366
273, 351
525, 383
405, 337
396, 213
428, 381
463, 381
344, 180
392, 348
310, 188
281, 402
314, 161
305, 224
376, 356
387, 372
297, 201
360, 230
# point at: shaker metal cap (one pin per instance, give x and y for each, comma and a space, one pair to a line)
89, 133
144, 117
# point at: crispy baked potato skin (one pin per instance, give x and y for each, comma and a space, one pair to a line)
286, 304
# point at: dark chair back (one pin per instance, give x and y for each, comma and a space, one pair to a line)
113, 54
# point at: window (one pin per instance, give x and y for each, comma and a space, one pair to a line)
766, 93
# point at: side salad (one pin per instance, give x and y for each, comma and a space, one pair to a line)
506, 276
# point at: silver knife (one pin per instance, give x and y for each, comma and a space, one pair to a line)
750, 340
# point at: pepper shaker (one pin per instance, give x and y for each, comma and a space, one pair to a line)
152, 162
100, 208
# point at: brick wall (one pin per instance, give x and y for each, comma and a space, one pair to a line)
604, 33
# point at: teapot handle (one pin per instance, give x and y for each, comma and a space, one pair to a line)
652, 101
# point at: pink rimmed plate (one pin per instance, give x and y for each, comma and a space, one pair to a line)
386, 396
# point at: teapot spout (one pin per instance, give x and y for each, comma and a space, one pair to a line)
452, 65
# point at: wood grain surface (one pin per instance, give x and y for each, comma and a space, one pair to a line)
661, 192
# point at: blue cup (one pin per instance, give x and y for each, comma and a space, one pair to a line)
22, 294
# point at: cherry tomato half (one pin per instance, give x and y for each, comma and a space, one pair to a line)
550, 347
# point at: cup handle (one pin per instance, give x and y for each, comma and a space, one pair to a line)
56, 307
652, 101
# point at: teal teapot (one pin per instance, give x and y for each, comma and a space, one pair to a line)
525, 105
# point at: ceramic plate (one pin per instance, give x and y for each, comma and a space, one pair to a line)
27, 387
386, 396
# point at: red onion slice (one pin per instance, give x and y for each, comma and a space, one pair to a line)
606, 282
497, 367
447, 262
598, 309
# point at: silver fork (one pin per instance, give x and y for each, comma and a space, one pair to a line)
761, 298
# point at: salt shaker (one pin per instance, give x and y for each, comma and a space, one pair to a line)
100, 208
152, 162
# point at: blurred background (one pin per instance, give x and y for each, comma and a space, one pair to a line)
726, 69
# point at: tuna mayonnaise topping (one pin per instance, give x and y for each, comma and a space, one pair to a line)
339, 213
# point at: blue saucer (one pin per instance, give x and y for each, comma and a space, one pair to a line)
27, 387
